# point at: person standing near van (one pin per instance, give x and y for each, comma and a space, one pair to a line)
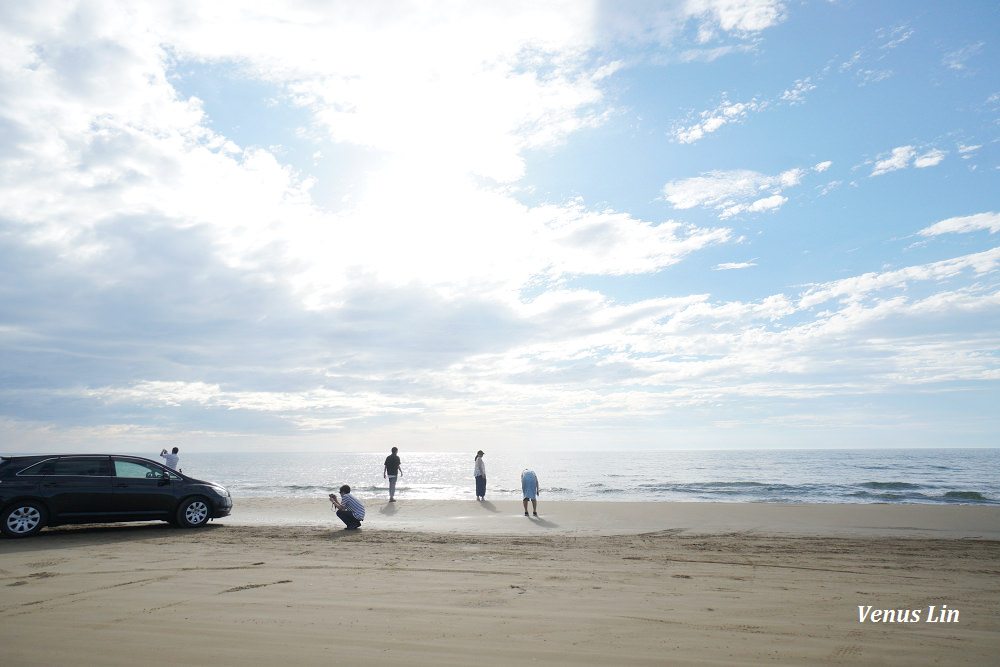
390, 470
480, 474
172, 458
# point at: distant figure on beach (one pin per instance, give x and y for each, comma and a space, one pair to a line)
480, 474
390, 470
350, 510
529, 487
171, 458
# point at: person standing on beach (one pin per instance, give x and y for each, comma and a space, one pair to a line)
529, 487
392, 468
480, 474
172, 458
350, 510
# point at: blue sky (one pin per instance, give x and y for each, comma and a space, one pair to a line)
446, 226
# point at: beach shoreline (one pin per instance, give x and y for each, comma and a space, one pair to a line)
280, 581
611, 518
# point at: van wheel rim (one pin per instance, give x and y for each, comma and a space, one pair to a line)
24, 520
196, 513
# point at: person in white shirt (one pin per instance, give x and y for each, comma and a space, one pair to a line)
172, 458
480, 473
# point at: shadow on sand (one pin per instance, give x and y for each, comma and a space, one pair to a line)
487, 505
110, 534
344, 533
542, 522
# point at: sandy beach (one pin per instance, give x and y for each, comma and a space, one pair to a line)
459, 583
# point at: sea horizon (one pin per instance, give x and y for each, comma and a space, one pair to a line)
917, 475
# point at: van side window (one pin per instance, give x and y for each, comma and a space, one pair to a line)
90, 466
139, 470
40, 468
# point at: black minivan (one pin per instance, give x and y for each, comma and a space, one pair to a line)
49, 490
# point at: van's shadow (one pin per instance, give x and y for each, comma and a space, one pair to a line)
105, 534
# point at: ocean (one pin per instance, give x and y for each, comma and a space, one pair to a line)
929, 476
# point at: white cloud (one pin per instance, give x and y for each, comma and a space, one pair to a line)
727, 112
729, 266
523, 80
797, 93
866, 63
931, 158
900, 159
710, 54
964, 225
906, 156
371, 78
739, 15
859, 287
609, 243
967, 151
896, 36
958, 59
766, 204
732, 192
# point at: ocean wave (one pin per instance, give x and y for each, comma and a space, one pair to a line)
891, 497
737, 484
673, 486
889, 485
966, 495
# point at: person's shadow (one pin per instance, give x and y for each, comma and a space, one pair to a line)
388, 509
489, 506
343, 534
542, 522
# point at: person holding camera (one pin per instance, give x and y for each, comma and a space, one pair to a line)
172, 458
350, 510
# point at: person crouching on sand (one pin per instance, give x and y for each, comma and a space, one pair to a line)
529, 487
350, 510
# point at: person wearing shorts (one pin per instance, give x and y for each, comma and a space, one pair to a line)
529, 488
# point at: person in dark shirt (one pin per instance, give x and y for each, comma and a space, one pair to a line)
390, 471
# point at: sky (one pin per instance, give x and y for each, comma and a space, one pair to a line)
447, 225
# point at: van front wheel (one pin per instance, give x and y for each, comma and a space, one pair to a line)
193, 513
